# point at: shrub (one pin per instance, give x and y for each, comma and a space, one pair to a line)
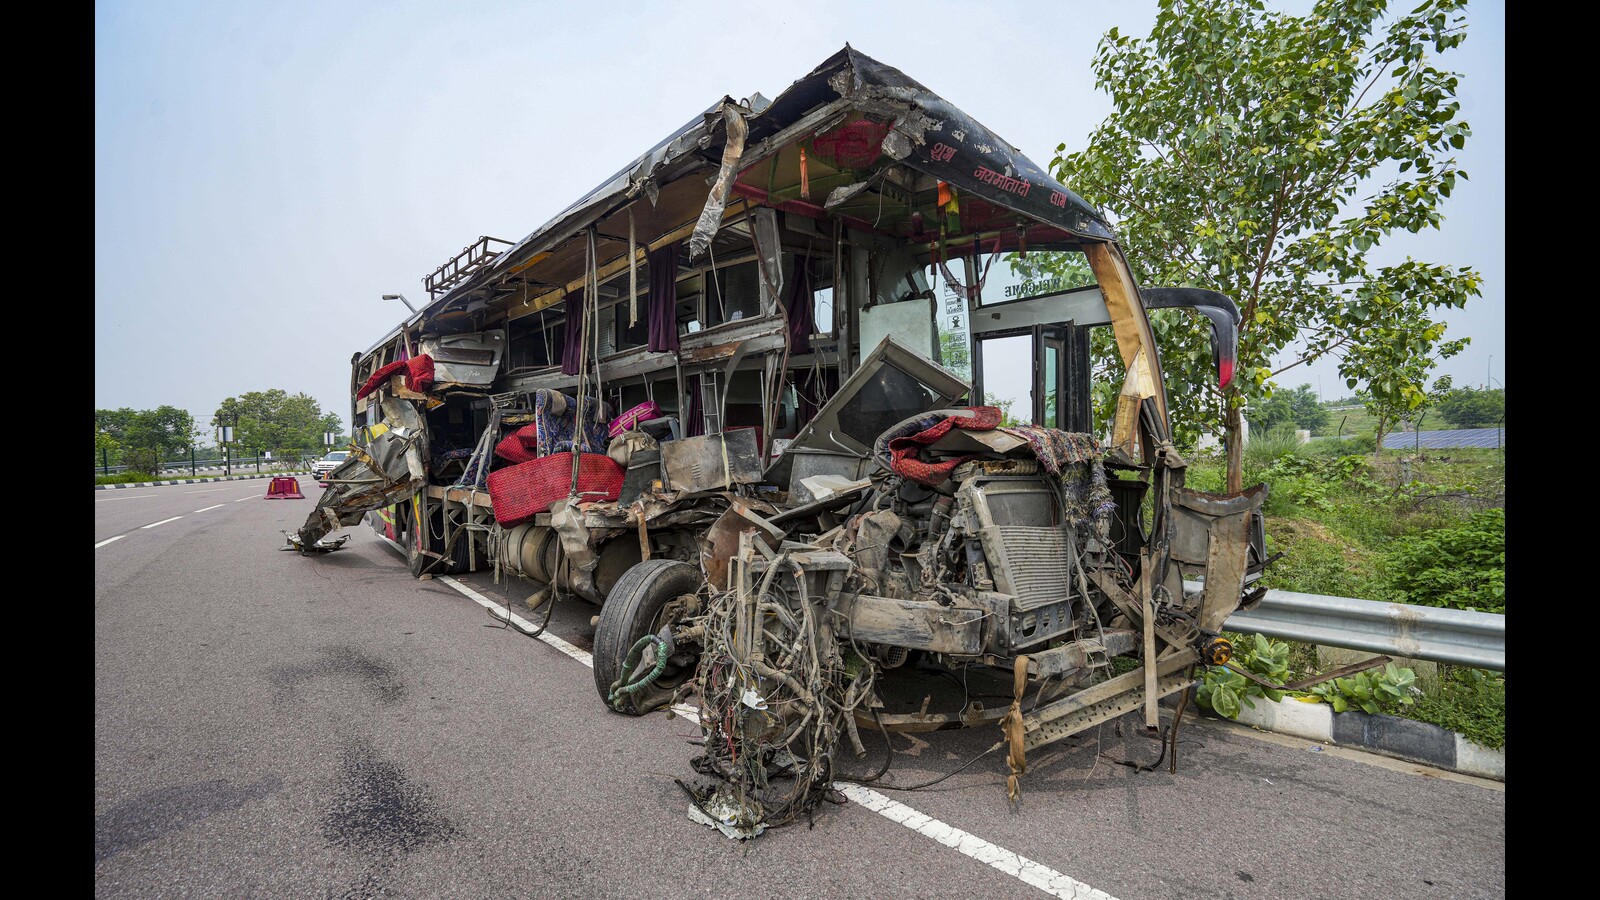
1374, 691
1459, 567
142, 460
124, 478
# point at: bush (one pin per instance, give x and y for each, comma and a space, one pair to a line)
1458, 567
1373, 691
142, 460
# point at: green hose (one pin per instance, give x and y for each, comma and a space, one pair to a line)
620, 689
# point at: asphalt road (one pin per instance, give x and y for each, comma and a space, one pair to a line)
268, 725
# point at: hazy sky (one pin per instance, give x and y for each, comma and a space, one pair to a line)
265, 171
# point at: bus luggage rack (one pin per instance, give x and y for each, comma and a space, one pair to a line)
459, 268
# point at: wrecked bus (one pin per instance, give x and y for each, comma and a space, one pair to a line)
713, 397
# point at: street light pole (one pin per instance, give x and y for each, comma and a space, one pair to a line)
402, 299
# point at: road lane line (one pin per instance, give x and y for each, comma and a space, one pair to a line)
243, 499
1056, 884
522, 624
142, 497
206, 491
109, 540
1016, 865
162, 522
218, 506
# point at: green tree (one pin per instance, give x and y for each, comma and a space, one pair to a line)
1297, 408
1467, 408
1263, 155
105, 446
275, 420
115, 422
1389, 409
1007, 420
165, 429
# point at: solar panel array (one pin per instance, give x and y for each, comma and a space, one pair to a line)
1445, 440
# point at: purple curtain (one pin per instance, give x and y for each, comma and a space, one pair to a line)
663, 302
694, 421
813, 385
572, 347
802, 315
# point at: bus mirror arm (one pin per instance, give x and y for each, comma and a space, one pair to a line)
1222, 312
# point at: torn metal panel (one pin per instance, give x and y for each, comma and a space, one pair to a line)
892, 384
388, 470
917, 625
1213, 530
769, 258
1131, 325
721, 541
732, 148
712, 461
575, 538
465, 359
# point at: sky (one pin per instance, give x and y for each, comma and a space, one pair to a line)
265, 172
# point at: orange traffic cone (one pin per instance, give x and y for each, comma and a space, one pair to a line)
284, 487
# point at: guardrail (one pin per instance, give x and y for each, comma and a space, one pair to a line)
217, 465
1454, 636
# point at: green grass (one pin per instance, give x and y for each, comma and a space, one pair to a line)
1470, 701
1348, 422
124, 478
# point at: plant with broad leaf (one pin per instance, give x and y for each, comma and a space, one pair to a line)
1224, 690
1373, 691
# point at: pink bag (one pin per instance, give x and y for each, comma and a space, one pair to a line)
630, 420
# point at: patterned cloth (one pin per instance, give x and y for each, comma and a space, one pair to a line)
1075, 458
557, 421
903, 451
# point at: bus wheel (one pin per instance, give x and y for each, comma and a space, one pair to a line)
426, 535
641, 604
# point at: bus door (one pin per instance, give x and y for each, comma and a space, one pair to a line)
1036, 373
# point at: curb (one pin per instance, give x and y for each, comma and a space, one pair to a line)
140, 484
1401, 738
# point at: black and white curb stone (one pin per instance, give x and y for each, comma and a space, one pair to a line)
1407, 739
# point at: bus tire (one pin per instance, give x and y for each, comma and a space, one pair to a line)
632, 610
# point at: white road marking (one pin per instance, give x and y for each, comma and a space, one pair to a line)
206, 491
109, 540
243, 499
1016, 865
218, 506
575, 652
162, 522
141, 497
